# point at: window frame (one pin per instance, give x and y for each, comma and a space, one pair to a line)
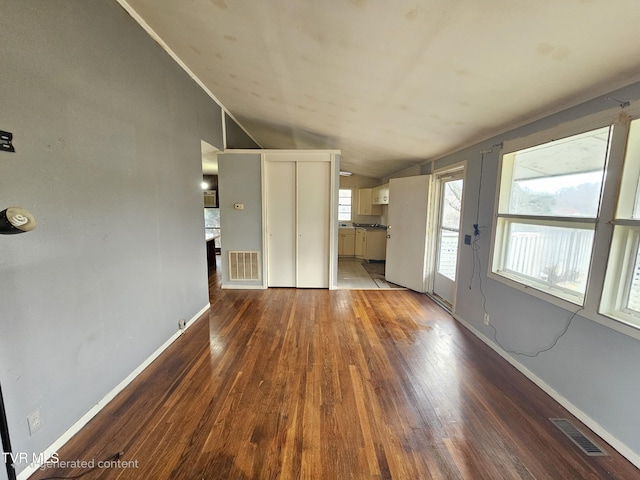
625, 238
602, 257
502, 221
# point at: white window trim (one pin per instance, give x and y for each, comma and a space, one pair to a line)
625, 239
604, 225
620, 260
533, 283
501, 221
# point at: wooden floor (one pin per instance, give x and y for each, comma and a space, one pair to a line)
331, 385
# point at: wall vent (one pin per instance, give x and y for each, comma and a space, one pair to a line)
210, 198
576, 436
243, 266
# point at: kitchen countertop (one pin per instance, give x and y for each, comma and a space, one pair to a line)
368, 226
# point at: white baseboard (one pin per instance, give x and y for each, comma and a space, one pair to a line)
76, 427
242, 287
625, 451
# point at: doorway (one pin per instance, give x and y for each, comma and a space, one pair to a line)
211, 202
449, 188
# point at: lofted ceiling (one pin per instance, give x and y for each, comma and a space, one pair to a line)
395, 83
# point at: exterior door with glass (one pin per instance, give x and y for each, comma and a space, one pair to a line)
450, 188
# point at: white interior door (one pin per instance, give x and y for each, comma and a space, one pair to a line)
448, 234
314, 204
280, 186
407, 232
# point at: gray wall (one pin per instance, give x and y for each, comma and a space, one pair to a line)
594, 367
240, 177
107, 134
236, 136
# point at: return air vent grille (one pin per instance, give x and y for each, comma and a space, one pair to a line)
580, 439
243, 266
210, 198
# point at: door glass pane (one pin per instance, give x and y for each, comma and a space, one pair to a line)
448, 254
449, 226
451, 202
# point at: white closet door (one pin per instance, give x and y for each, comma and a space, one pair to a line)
313, 215
281, 223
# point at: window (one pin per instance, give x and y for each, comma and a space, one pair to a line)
548, 207
621, 293
344, 204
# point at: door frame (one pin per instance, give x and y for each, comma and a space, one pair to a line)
434, 219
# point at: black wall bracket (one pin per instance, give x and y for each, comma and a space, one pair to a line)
5, 142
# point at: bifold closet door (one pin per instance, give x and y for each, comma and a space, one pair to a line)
313, 216
280, 179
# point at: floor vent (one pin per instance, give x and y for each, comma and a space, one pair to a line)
576, 436
243, 266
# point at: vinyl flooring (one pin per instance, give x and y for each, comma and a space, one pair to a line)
357, 274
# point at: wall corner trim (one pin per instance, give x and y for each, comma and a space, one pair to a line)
619, 446
76, 427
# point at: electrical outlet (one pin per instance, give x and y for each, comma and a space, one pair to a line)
486, 318
182, 324
34, 420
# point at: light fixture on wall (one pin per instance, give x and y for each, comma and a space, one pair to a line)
204, 185
16, 220
13, 220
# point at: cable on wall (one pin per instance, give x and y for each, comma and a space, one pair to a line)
476, 226
546, 349
475, 248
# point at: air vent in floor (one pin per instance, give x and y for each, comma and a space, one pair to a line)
576, 436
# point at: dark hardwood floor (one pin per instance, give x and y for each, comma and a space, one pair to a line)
331, 385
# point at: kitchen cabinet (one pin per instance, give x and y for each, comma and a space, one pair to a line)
371, 244
381, 195
360, 242
346, 242
365, 203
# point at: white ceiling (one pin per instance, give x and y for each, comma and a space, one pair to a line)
394, 83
